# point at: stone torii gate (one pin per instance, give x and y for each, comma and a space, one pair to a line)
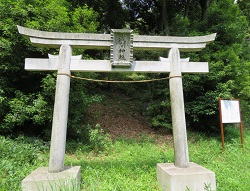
121, 43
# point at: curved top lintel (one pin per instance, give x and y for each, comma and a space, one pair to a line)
60, 35
104, 40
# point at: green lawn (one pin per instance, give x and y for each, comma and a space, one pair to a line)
129, 164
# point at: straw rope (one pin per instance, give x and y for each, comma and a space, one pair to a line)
118, 81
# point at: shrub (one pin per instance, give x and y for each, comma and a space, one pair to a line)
99, 140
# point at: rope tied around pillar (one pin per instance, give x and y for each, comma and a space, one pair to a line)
117, 81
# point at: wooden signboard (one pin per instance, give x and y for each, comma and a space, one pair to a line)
230, 113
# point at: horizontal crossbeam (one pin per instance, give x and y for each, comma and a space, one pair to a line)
103, 41
37, 64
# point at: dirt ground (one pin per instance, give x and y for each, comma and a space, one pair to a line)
121, 117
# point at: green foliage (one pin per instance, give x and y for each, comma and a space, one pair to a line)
225, 63
27, 98
230, 26
130, 171
159, 109
111, 14
53, 15
181, 25
99, 140
80, 99
208, 152
17, 158
130, 165
26, 108
84, 19
244, 6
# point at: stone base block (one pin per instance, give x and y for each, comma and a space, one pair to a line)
42, 180
193, 178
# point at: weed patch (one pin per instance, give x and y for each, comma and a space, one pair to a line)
130, 164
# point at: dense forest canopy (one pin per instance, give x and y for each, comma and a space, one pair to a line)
26, 98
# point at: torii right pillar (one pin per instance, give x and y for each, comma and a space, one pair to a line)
181, 175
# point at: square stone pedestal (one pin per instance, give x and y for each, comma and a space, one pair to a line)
42, 180
193, 178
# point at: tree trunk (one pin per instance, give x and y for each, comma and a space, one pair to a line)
187, 8
164, 18
204, 6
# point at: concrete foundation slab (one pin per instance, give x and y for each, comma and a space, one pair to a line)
193, 178
41, 180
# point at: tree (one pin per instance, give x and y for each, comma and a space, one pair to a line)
225, 62
159, 16
111, 14
244, 6
228, 66
27, 97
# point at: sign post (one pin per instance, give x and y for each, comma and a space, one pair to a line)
230, 113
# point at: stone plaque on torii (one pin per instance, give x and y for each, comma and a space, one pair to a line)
122, 43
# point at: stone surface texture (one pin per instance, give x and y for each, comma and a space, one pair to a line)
193, 178
42, 180
178, 111
121, 48
103, 41
38, 64
60, 115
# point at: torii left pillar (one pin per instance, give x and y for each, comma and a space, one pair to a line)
57, 176
60, 115
177, 110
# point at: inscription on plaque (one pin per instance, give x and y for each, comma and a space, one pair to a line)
121, 49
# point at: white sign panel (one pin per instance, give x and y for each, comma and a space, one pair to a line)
230, 111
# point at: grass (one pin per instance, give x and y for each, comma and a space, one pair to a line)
129, 164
